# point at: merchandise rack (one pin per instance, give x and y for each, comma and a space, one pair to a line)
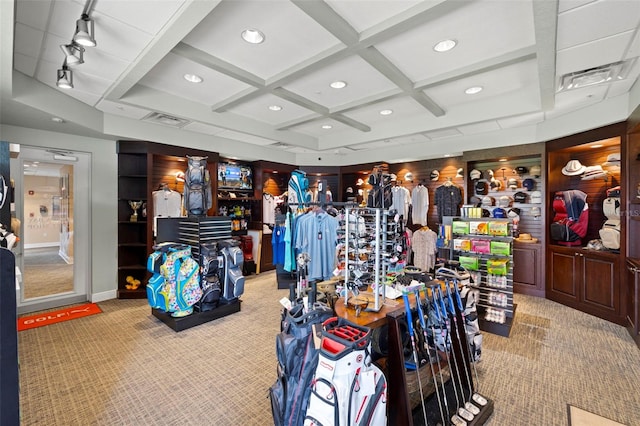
376, 221
506, 308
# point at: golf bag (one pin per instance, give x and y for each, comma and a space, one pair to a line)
174, 286
197, 187
209, 279
470, 297
298, 190
347, 388
610, 231
571, 217
297, 356
232, 280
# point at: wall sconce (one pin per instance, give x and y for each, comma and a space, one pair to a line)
65, 77
73, 53
84, 35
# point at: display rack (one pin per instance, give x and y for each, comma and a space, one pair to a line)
373, 257
489, 242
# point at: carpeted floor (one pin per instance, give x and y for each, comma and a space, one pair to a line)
125, 367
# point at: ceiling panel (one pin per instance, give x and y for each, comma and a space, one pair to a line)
520, 77
168, 76
34, 14
593, 54
483, 29
597, 20
128, 111
364, 14
28, 41
25, 64
203, 128
258, 109
402, 108
256, 140
314, 128
486, 126
362, 80
130, 12
290, 36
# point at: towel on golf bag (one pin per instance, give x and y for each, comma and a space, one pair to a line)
470, 297
297, 360
347, 388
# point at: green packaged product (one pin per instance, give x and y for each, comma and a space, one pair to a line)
501, 248
460, 227
469, 262
497, 266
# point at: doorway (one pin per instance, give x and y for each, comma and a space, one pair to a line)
52, 203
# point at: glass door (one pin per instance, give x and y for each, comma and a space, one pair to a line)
52, 203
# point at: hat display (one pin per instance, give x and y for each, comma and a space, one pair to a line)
535, 171
349, 190
529, 184
612, 160
460, 173
526, 238
488, 174
487, 201
434, 175
408, 176
512, 183
536, 197
360, 182
594, 172
496, 184
499, 213
520, 197
514, 212
393, 177
481, 187
486, 213
573, 168
475, 174
504, 201
521, 170
475, 200
536, 212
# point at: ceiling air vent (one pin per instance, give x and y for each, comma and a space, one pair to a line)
603, 74
166, 119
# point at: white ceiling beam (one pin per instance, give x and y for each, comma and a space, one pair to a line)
545, 21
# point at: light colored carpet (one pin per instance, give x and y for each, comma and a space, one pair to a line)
125, 367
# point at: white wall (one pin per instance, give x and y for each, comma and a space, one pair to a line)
104, 193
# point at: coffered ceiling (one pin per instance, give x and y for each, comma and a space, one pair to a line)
132, 84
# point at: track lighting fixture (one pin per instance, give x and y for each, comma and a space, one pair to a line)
65, 77
73, 53
84, 35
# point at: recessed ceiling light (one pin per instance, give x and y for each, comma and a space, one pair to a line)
598, 145
275, 107
447, 155
192, 78
338, 84
327, 126
502, 159
473, 90
444, 45
253, 36
57, 119
386, 112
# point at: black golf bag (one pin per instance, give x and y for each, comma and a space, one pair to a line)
210, 262
232, 280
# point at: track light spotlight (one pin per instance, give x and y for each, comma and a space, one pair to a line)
65, 77
73, 53
84, 35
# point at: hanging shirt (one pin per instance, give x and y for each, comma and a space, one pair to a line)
423, 244
420, 205
401, 200
317, 235
268, 209
448, 198
278, 245
166, 203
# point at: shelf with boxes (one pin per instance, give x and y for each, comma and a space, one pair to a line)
485, 248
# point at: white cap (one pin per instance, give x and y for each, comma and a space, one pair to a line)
536, 197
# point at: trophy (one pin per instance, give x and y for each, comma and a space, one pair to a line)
135, 205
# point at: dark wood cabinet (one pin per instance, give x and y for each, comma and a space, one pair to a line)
633, 299
586, 280
527, 270
142, 168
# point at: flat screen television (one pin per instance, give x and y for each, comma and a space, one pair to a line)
237, 177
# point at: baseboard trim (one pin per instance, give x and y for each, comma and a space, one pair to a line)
105, 295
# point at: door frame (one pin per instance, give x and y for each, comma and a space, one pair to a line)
81, 228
